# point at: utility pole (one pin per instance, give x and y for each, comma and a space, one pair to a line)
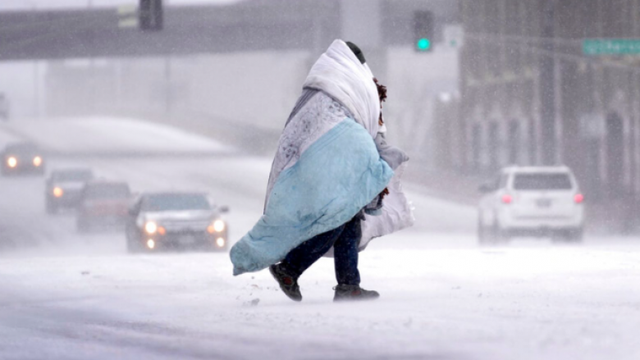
36, 83
167, 78
547, 87
36, 89
92, 76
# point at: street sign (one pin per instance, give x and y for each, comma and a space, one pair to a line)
611, 46
127, 16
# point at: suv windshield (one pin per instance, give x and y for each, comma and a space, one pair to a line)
79, 175
176, 202
107, 191
542, 181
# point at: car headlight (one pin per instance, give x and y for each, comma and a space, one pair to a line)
150, 227
37, 161
58, 192
220, 242
219, 225
216, 226
12, 161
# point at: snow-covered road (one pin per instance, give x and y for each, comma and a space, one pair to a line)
69, 296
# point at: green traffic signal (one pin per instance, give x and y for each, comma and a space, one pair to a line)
423, 44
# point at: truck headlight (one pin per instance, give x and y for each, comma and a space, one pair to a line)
12, 162
37, 161
150, 227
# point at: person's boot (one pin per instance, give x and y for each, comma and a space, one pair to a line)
353, 292
288, 283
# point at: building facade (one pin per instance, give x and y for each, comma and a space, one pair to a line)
530, 95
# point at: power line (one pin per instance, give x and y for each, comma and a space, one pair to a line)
556, 40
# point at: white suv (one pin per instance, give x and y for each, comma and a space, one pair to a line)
531, 201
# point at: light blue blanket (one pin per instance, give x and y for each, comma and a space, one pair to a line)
334, 178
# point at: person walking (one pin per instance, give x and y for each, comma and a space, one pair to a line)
331, 169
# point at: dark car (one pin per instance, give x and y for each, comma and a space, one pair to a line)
22, 158
175, 220
103, 203
64, 187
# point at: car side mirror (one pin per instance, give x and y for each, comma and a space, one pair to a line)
485, 188
223, 209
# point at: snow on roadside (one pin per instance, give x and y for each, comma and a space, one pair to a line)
106, 135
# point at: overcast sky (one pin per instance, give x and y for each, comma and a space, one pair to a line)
53, 4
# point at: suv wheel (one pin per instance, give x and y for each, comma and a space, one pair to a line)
485, 234
491, 235
500, 236
574, 235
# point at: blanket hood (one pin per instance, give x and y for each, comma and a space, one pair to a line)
339, 73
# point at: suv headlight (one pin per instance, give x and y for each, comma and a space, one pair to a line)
150, 227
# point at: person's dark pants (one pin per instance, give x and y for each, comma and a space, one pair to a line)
344, 239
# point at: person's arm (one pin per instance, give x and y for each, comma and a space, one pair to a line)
375, 206
394, 156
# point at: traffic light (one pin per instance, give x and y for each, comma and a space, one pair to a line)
150, 15
423, 30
